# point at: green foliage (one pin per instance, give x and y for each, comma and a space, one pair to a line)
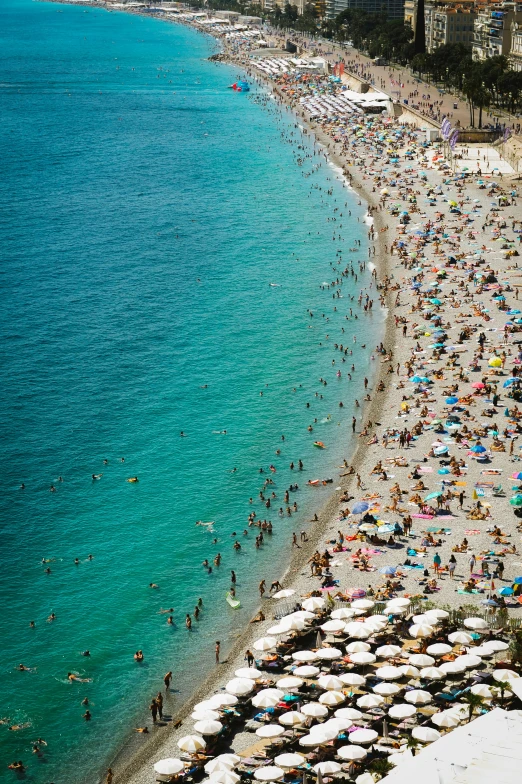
474, 701
515, 650
381, 767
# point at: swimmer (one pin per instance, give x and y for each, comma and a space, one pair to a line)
96, 476
132, 479
85, 653
138, 656
153, 585
161, 611
143, 730
51, 617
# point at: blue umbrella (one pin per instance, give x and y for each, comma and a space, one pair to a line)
388, 570
478, 449
360, 507
517, 580
433, 495
443, 471
489, 602
509, 381
506, 591
452, 400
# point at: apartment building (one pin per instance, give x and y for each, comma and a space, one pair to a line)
394, 8
515, 53
493, 29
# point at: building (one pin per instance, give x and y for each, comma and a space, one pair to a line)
410, 13
515, 53
449, 23
493, 29
394, 8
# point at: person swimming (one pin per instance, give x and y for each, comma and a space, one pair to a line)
132, 479
96, 476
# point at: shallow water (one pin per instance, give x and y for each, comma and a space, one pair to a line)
144, 214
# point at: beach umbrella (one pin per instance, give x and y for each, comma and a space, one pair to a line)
228, 758
495, 362
452, 667
420, 630
478, 449
332, 698
343, 614
496, 645
432, 673
312, 740
352, 714
289, 682
469, 661
506, 591
399, 757
248, 672
357, 647
333, 626
409, 670
352, 679
224, 777
292, 719
395, 609
363, 736
418, 697
217, 765
505, 675
437, 613
360, 507
402, 711
460, 638
270, 731
352, 753
376, 618
357, 593
289, 760
386, 689
284, 594
169, 766
363, 657
265, 644
330, 682
425, 734
452, 400
375, 626
305, 656
191, 743
292, 623
438, 649
477, 624
421, 660
221, 700
483, 690
240, 686
358, 631
478, 385
388, 570
483, 651
400, 601
438, 493
313, 603
269, 773
268, 698
388, 673
370, 701
363, 604
423, 619
314, 709
207, 727
326, 768
206, 705
327, 731
307, 671
205, 715
329, 653
387, 651
444, 719
517, 580
306, 615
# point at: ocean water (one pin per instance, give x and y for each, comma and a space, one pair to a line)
146, 209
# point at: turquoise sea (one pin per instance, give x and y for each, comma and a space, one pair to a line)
145, 209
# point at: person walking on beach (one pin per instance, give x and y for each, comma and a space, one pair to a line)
167, 679
294, 541
109, 777
218, 648
153, 707
159, 703
249, 658
436, 562
472, 562
452, 565
262, 588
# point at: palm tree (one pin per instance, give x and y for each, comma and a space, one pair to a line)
474, 701
502, 687
412, 743
381, 767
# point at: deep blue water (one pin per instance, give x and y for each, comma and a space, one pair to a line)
145, 209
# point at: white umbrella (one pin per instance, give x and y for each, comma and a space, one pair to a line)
289, 682
332, 698
425, 734
348, 713
483, 690
329, 653
395, 609
438, 649
421, 660
363, 658
400, 757
388, 673
388, 651
267, 698
482, 650
304, 656
444, 719
338, 723
310, 741
285, 593
363, 736
191, 743
292, 719
330, 682
374, 626
326, 732
418, 697
169, 766
437, 613
359, 631
325, 768
476, 624
353, 679
469, 661
276, 630
460, 638
240, 686
402, 711
333, 626
248, 672
306, 671
505, 675
386, 689
205, 715
432, 673
289, 760
343, 614
265, 643
420, 630
429, 619
269, 773
496, 645
358, 647
452, 667
400, 601
270, 731
221, 763
352, 753
363, 604
370, 701
292, 623
409, 670
208, 727
306, 615
220, 700
313, 603
314, 709
224, 777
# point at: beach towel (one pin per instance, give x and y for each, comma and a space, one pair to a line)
424, 517
474, 590
432, 529
471, 531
